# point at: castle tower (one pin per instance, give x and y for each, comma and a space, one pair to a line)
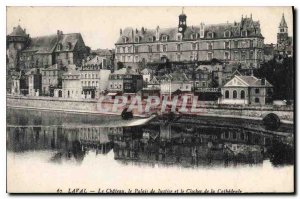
282, 35
15, 42
182, 23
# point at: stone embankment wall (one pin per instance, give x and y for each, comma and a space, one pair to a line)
285, 113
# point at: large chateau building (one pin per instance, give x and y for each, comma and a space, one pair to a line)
24, 52
238, 42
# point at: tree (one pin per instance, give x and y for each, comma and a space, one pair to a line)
280, 73
120, 65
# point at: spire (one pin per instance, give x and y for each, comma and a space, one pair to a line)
182, 10
283, 23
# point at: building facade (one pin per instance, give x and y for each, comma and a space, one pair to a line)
237, 42
24, 52
246, 90
94, 77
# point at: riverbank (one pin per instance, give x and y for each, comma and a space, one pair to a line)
286, 114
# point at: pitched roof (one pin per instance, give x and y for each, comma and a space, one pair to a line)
96, 60
124, 71
68, 41
252, 81
146, 35
18, 31
43, 44
283, 23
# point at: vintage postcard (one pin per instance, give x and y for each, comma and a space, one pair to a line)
150, 100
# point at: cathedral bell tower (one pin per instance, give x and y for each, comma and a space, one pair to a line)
182, 23
282, 35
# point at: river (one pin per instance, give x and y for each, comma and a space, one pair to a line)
62, 152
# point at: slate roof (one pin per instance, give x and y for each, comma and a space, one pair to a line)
68, 40
48, 44
96, 60
146, 35
252, 81
43, 44
18, 31
283, 23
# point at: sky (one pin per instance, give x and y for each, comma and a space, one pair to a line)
100, 26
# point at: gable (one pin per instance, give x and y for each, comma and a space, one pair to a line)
236, 82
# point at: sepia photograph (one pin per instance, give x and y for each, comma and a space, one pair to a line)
150, 100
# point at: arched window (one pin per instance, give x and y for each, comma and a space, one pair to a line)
59, 47
210, 35
125, 39
227, 33
226, 94
234, 94
242, 94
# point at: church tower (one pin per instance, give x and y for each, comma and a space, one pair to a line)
15, 43
282, 35
182, 23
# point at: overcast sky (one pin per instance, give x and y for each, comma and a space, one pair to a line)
100, 26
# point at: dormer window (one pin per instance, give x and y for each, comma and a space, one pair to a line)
210, 35
59, 47
165, 37
137, 39
244, 33
153, 39
194, 36
68, 46
227, 34
179, 37
125, 39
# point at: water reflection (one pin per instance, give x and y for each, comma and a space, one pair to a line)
156, 143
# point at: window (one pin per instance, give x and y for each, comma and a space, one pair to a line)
178, 47
251, 43
153, 38
136, 49
236, 55
281, 30
227, 33
194, 46
123, 48
59, 47
234, 94
209, 55
165, 38
251, 55
226, 44
158, 47
242, 94
118, 50
126, 49
210, 35
178, 57
244, 33
209, 45
256, 100
226, 94
125, 39
179, 37
234, 135
150, 49
129, 49
257, 90
165, 48
236, 44
226, 55
243, 55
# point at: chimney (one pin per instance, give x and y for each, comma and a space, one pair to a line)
143, 30
263, 81
136, 31
25, 30
121, 32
